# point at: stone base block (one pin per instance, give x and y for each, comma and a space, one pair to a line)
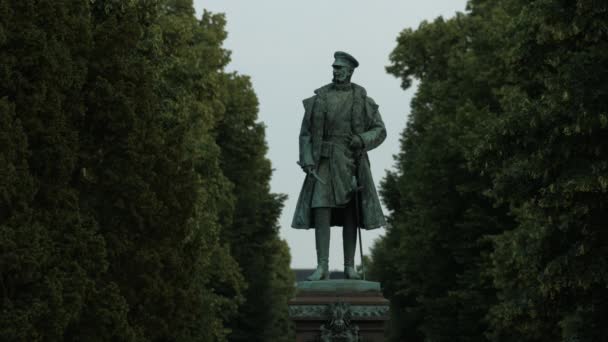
339, 310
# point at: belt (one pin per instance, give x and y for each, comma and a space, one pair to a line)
336, 138
331, 140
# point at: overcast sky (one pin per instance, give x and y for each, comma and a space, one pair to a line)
286, 47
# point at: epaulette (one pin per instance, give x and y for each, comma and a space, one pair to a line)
323, 89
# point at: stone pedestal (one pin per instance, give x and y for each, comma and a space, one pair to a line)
339, 310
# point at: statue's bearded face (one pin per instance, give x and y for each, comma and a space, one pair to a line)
342, 74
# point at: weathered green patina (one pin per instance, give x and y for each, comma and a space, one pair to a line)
340, 125
339, 285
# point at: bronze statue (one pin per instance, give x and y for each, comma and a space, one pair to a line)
341, 123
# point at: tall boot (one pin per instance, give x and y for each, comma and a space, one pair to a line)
322, 243
349, 243
322, 234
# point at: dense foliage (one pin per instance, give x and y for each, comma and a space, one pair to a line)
499, 198
253, 232
124, 212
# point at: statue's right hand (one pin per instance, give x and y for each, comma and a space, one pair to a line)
308, 168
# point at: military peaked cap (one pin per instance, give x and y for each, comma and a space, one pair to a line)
344, 59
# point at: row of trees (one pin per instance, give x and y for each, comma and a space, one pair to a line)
134, 187
499, 201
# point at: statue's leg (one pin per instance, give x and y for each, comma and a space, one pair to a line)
349, 241
322, 233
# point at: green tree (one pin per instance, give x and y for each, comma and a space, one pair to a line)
433, 260
152, 166
115, 213
192, 82
52, 257
252, 232
547, 158
499, 194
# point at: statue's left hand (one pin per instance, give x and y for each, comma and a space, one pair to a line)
356, 143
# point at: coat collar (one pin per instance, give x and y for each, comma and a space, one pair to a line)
358, 89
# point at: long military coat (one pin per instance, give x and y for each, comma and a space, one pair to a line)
367, 124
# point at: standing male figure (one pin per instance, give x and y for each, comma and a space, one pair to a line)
341, 123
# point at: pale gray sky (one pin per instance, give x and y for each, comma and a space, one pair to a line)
287, 47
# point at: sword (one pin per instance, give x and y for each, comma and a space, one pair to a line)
358, 189
314, 174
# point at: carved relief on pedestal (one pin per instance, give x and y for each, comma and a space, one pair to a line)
339, 327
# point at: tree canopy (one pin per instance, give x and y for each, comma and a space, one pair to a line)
123, 145
498, 198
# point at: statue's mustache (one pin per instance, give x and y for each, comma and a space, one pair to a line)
339, 78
